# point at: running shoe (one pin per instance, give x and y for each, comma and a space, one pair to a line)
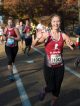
11, 77
53, 104
42, 95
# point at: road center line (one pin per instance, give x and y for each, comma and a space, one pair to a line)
23, 96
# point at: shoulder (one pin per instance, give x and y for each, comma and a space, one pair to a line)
65, 36
16, 29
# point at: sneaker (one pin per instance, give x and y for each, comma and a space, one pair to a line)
42, 95
53, 104
11, 77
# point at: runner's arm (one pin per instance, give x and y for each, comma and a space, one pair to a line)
18, 34
68, 41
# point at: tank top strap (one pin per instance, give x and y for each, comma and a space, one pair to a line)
61, 37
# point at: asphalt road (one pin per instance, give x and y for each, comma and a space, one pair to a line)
30, 80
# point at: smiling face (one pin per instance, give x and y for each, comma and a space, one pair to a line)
27, 22
55, 22
21, 23
10, 23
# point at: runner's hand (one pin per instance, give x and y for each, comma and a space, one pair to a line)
11, 37
39, 35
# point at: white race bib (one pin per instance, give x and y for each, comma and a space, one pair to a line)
55, 59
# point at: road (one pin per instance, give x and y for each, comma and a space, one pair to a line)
28, 71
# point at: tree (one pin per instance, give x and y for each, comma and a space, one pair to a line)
38, 8
79, 9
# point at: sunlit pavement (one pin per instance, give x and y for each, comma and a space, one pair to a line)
31, 75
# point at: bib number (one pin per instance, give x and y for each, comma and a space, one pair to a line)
55, 59
10, 41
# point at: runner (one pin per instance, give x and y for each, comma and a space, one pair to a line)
77, 32
53, 62
33, 29
28, 37
11, 45
1, 34
21, 28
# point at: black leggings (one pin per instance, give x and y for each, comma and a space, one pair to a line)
11, 53
53, 78
28, 41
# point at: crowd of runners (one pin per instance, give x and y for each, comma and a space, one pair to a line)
30, 35
18, 34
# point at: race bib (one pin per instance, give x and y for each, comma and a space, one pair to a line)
55, 59
10, 41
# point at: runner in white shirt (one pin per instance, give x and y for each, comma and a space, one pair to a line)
1, 34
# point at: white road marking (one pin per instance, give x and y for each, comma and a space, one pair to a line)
72, 71
30, 61
23, 96
37, 50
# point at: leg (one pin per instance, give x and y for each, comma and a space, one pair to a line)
58, 78
8, 51
29, 41
14, 53
47, 77
9, 56
25, 46
28, 50
22, 43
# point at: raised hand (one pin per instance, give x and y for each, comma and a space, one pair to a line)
39, 35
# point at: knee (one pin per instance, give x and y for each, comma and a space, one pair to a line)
10, 61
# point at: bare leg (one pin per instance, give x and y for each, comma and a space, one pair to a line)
54, 100
10, 74
29, 48
9, 69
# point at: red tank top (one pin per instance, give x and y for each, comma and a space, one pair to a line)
27, 29
53, 50
12, 33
